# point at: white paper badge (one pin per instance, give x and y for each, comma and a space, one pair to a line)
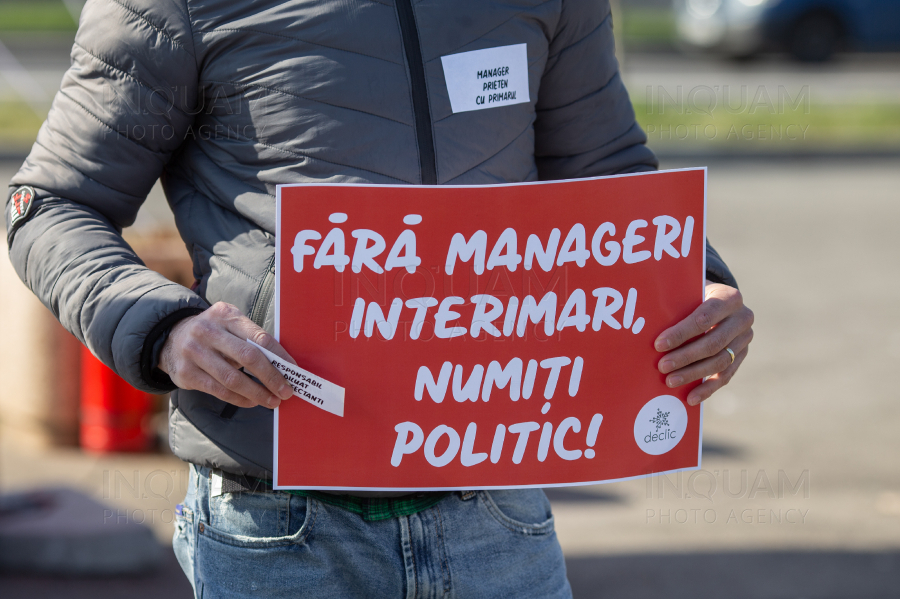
487, 78
307, 386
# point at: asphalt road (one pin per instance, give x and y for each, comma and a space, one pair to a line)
799, 495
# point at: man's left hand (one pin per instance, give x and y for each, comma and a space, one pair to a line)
696, 347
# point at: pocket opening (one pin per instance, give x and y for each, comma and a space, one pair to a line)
525, 528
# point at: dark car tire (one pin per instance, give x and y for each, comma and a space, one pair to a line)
815, 37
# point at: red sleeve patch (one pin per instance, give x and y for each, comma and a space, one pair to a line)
20, 204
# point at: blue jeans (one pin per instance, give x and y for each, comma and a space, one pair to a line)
474, 544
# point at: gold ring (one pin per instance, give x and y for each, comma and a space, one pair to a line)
728, 349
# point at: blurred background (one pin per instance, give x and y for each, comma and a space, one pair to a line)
794, 105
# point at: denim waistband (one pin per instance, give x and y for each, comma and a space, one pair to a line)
371, 509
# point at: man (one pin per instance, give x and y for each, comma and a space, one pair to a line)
225, 100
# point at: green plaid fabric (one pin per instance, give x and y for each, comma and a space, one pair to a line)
373, 509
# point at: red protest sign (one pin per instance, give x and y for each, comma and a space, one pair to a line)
494, 336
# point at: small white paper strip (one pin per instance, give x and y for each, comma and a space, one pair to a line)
215, 484
487, 78
307, 386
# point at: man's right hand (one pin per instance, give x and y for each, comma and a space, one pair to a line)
206, 352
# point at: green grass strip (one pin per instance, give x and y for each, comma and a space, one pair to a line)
37, 15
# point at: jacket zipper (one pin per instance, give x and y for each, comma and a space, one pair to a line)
258, 312
421, 110
264, 295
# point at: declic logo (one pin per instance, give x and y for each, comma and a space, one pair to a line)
660, 424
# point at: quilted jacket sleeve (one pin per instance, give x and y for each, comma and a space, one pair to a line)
122, 110
585, 125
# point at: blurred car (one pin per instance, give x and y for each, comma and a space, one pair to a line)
811, 30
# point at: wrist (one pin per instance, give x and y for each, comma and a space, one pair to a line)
166, 351
156, 340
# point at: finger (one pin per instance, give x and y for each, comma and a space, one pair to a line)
714, 310
715, 364
244, 328
237, 351
705, 346
705, 390
236, 381
195, 378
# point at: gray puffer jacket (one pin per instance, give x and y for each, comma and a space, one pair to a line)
225, 99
